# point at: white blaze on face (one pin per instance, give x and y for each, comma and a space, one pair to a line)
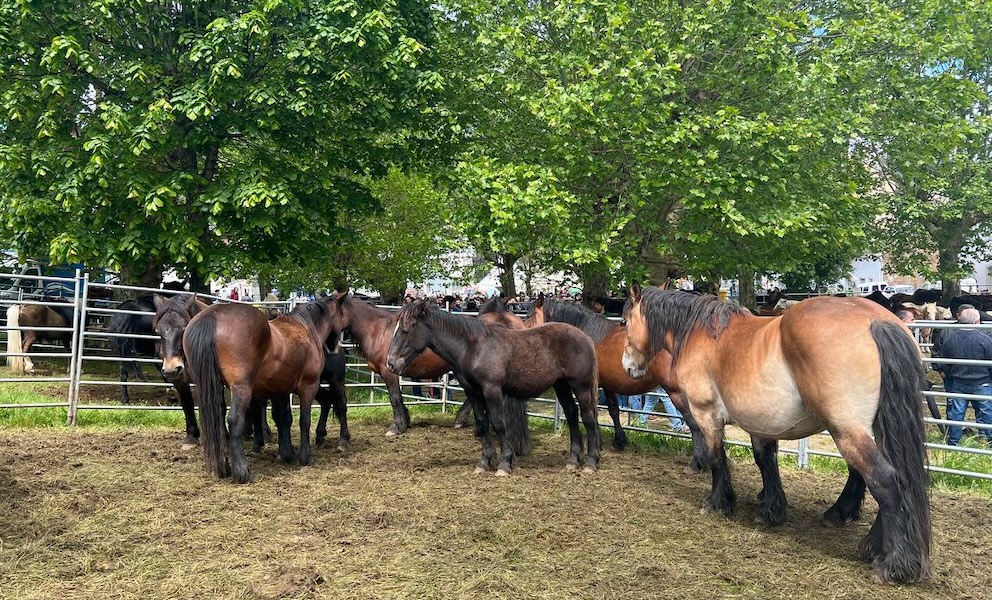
395, 329
633, 362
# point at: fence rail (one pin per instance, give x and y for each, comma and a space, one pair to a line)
89, 350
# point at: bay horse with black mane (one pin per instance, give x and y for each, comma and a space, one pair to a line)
235, 345
845, 365
172, 317
610, 338
494, 362
56, 314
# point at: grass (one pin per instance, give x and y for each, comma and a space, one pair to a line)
49, 393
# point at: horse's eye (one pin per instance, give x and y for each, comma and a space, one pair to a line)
623, 322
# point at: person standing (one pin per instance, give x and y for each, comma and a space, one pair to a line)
969, 344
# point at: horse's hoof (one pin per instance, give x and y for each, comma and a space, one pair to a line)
306, 462
589, 470
187, 446
319, 442
571, 468
342, 448
479, 470
691, 469
502, 473
459, 425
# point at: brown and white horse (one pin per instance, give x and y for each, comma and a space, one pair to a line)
845, 365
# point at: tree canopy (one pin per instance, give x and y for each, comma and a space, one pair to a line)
200, 135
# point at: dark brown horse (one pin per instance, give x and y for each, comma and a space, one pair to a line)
610, 338
845, 365
55, 321
493, 363
234, 345
172, 315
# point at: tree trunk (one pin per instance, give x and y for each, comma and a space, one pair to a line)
392, 296
596, 282
150, 276
745, 287
198, 283
949, 268
508, 285
264, 285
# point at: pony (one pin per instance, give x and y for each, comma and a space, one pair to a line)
371, 327
845, 365
236, 346
127, 324
610, 338
497, 365
58, 314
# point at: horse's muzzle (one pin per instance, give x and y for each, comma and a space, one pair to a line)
172, 372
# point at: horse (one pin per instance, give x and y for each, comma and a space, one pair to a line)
57, 314
610, 337
372, 328
235, 345
172, 315
841, 364
496, 365
129, 324
495, 312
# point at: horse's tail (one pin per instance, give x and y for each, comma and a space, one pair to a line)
14, 340
516, 421
900, 436
200, 343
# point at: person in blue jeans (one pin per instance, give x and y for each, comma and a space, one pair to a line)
971, 344
647, 403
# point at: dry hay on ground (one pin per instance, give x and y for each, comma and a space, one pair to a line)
125, 514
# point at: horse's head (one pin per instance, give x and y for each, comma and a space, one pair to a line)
410, 336
635, 351
536, 315
170, 320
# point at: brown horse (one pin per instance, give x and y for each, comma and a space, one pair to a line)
496, 365
841, 364
55, 322
235, 345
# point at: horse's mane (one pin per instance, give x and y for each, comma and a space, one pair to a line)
439, 320
311, 313
593, 324
682, 313
493, 305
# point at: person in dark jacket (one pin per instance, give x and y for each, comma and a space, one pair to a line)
970, 344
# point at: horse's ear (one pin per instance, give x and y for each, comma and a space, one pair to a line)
192, 306
159, 300
420, 309
340, 296
635, 292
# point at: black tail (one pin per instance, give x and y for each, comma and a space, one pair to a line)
515, 419
125, 347
200, 345
900, 435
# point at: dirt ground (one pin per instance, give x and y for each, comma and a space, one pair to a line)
98, 513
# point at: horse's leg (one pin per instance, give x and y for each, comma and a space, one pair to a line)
698, 462
847, 508
722, 497
189, 411
401, 416
283, 416
586, 399
125, 397
772, 496
240, 402
307, 394
324, 400
482, 432
564, 393
30, 337
461, 418
339, 397
619, 434
256, 413
496, 400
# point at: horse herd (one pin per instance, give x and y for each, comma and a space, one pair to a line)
841, 364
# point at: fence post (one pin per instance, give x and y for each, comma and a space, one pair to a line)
802, 457
76, 358
445, 392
